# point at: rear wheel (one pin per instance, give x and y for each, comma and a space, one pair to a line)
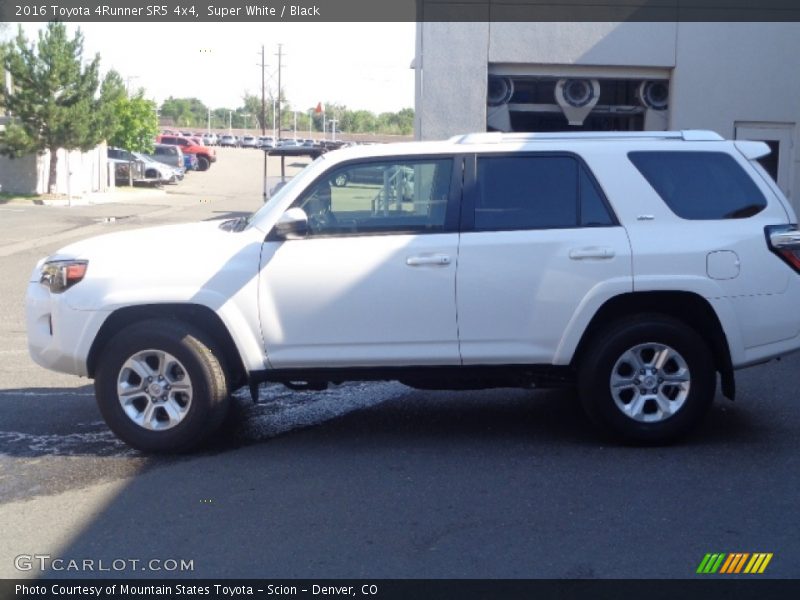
161, 387
647, 379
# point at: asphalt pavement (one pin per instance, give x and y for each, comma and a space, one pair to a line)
372, 480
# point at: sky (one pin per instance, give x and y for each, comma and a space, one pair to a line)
361, 65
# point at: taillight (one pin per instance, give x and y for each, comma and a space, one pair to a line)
784, 240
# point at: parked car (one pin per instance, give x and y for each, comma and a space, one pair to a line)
169, 155
156, 169
227, 140
210, 139
638, 268
265, 142
249, 141
128, 169
190, 162
205, 155
152, 169
375, 175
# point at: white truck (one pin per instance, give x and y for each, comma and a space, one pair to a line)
635, 266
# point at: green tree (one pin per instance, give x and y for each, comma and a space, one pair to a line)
52, 99
136, 123
185, 112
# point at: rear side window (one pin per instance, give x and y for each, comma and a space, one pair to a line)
701, 185
536, 192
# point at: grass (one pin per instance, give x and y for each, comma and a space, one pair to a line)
6, 198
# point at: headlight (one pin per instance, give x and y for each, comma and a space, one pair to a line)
60, 275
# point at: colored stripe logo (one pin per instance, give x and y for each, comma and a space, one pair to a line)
734, 563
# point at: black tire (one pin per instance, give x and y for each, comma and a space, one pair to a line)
203, 164
608, 356
340, 180
195, 358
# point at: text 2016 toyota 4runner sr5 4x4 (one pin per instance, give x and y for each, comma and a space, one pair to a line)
636, 266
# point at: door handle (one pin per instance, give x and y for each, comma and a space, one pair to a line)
428, 260
593, 252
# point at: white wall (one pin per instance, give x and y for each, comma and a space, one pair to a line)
451, 65
720, 73
83, 173
738, 72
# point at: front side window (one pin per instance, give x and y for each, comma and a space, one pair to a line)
536, 192
398, 196
700, 185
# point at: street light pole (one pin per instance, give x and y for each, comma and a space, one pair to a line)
274, 138
333, 129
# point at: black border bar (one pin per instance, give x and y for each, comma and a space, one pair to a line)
233, 11
706, 587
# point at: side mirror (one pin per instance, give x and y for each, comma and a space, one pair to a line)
292, 225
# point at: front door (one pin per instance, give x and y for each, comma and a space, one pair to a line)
373, 282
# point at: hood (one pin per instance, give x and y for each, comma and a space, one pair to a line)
164, 240
174, 263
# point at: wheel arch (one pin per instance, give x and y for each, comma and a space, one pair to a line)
687, 307
197, 315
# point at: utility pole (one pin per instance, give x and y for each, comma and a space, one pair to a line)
280, 65
265, 190
128, 83
263, 99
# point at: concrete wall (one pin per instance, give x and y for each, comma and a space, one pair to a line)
720, 73
728, 73
78, 174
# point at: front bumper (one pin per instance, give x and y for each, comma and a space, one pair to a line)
59, 337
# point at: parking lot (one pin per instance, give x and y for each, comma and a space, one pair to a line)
372, 480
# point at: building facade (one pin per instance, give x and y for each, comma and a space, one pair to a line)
738, 79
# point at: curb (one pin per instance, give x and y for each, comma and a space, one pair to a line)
109, 198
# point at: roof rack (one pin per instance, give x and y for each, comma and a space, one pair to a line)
497, 137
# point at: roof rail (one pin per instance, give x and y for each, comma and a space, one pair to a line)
496, 137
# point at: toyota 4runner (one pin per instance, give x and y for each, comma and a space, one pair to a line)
639, 267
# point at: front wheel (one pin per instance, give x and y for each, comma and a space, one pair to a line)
161, 387
647, 379
203, 164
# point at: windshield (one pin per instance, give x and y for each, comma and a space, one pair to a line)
292, 184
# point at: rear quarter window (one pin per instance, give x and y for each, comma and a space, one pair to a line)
700, 185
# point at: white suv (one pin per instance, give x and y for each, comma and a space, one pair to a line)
635, 266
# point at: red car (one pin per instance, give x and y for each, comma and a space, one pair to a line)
205, 155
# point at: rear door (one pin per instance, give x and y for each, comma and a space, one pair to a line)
539, 244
